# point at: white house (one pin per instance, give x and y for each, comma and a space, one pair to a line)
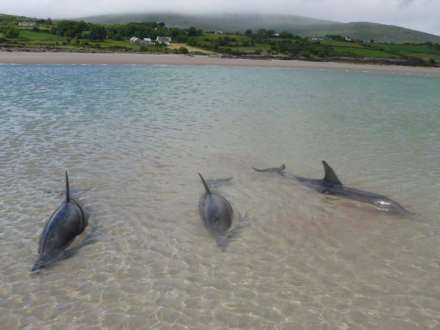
163, 40
142, 42
26, 24
147, 41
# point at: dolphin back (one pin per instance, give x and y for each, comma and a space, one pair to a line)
216, 213
67, 222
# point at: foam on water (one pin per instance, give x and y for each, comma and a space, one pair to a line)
134, 139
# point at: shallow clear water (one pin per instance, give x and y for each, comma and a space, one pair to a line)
134, 138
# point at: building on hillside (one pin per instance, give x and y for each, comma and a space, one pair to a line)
27, 24
163, 40
142, 42
147, 41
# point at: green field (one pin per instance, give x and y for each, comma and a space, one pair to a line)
33, 39
425, 51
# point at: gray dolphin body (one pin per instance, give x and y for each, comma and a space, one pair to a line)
67, 222
331, 185
216, 213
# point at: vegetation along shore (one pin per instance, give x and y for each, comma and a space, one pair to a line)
27, 34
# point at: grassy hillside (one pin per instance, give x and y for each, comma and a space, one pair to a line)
260, 43
299, 25
372, 31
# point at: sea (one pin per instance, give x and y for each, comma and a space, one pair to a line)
135, 137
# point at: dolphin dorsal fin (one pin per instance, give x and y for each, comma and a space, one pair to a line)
205, 184
330, 176
67, 188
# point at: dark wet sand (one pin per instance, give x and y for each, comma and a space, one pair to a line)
120, 58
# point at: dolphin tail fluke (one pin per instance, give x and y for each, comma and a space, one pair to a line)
205, 184
67, 188
271, 169
330, 176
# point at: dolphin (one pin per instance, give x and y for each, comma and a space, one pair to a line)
67, 222
331, 185
216, 213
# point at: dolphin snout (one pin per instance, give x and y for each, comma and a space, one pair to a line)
37, 266
41, 262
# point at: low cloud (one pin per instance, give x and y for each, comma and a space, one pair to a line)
416, 14
405, 3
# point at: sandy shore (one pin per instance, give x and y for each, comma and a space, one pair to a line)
120, 58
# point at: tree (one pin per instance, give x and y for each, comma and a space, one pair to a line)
11, 32
97, 32
192, 32
71, 29
286, 35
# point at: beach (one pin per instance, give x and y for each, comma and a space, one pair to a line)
173, 59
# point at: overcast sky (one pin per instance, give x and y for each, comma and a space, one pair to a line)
421, 15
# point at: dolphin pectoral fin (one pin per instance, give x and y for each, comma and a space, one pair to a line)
330, 176
234, 232
243, 220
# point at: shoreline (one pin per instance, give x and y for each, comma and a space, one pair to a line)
16, 57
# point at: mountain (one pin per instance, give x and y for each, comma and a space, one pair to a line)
304, 26
224, 22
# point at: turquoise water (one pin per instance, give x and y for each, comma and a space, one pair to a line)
134, 137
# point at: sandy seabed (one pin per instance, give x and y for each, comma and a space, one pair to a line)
120, 58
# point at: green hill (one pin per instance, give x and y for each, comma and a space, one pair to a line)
299, 25
373, 31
